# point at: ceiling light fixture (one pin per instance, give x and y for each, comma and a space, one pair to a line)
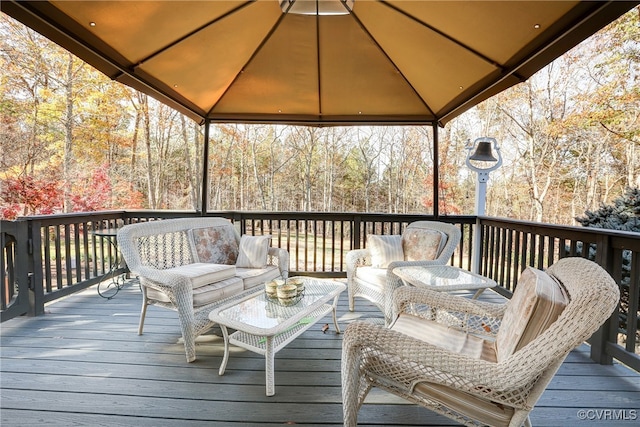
317, 7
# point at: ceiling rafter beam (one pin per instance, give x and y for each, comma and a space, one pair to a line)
446, 36
386, 55
246, 64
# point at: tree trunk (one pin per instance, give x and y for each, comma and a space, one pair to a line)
68, 136
151, 187
133, 174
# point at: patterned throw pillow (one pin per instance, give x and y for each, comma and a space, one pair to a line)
422, 244
253, 251
216, 245
384, 249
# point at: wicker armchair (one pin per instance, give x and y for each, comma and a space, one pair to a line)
447, 353
168, 262
378, 284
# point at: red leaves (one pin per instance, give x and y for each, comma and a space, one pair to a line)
96, 195
34, 196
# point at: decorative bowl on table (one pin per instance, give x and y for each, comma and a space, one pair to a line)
297, 282
284, 293
271, 288
287, 294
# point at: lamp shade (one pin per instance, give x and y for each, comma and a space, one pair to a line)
483, 152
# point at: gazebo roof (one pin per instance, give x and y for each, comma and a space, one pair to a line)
381, 62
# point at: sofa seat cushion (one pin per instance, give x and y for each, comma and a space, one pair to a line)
252, 277
216, 245
536, 303
205, 294
201, 274
446, 337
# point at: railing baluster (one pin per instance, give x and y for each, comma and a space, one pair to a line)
634, 300
509, 254
517, 264
85, 249
48, 271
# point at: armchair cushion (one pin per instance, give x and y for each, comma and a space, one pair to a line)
486, 412
422, 244
385, 249
201, 274
253, 251
375, 278
536, 303
217, 245
446, 337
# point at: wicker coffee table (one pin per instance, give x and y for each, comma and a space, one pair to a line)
265, 327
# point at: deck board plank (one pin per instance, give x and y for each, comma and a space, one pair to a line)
84, 364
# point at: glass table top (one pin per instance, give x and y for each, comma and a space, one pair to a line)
443, 276
255, 310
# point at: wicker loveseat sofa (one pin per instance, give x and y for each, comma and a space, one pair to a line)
188, 264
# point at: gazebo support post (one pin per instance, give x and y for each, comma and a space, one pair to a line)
436, 172
204, 189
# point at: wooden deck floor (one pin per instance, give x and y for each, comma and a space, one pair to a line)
83, 364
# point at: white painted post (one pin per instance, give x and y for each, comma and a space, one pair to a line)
481, 194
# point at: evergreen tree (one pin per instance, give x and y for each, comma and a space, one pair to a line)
623, 214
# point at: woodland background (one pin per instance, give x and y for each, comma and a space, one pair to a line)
72, 140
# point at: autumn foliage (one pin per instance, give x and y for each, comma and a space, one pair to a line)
95, 195
26, 195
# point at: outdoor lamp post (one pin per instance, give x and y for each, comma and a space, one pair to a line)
481, 161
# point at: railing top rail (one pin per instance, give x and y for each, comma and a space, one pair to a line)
546, 229
343, 215
71, 218
73, 215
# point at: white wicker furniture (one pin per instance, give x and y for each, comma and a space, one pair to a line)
182, 268
477, 372
265, 327
376, 283
443, 278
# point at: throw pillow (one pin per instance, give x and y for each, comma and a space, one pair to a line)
420, 244
253, 251
216, 245
536, 303
384, 249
